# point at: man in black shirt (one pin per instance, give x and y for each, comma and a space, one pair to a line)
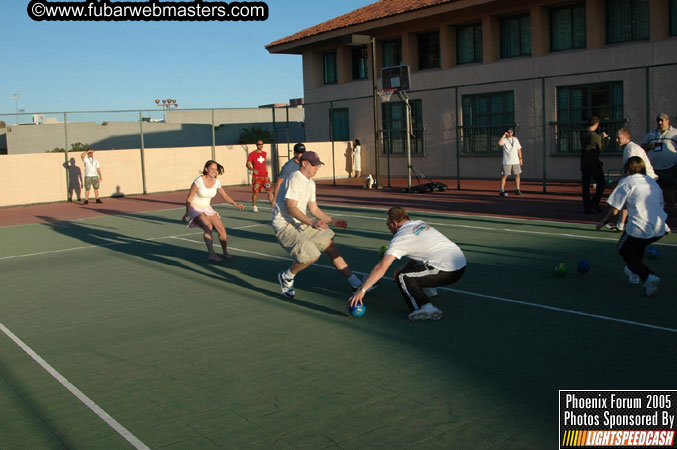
591, 166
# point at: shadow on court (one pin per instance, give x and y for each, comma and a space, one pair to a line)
191, 260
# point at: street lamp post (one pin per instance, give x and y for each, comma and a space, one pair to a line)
16, 106
166, 106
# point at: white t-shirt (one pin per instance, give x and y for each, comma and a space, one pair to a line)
632, 149
644, 200
423, 243
297, 187
287, 171
91, 164
664, 154
510, 150
204, 195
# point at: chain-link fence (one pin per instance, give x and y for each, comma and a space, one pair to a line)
455, 128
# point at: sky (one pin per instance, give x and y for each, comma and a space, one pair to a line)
93, 66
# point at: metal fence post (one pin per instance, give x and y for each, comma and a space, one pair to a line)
458, 145
374, 100
288, 133
545, 133
143, 155
68, 175
648, 98
331, 138
274, 154
213, 138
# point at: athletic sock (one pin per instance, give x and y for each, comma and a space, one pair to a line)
288, 275
354, 281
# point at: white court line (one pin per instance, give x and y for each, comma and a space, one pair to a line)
490, 229
103, 415
490, 297
116, 243
511, 230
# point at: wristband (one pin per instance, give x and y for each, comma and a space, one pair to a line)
362, 290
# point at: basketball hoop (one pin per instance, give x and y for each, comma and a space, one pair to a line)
385, 94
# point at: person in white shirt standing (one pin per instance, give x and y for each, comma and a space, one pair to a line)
512, 160
661, 145
646, 220
433, 260
304, 237
93, 176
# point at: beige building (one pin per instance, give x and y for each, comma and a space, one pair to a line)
478, 66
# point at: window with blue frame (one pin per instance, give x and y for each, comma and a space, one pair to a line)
485, 118
567, 27
329, 60
395, 128
428, 50
576, 104
340, 124
360, 62
392, 53
627, 20
515, 36
469, 43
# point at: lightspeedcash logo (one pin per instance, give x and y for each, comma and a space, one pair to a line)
151, 10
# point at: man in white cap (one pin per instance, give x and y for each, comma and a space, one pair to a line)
303, 236
661, 147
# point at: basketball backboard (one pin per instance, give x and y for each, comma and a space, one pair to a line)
396, 77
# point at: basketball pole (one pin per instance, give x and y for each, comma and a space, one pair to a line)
405, 99
377, 142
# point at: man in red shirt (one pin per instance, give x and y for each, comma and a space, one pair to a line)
256, 162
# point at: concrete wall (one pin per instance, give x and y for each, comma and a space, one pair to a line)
182, 129
166, 169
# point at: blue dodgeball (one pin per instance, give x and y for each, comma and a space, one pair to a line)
583, 266
651, 252
358, 311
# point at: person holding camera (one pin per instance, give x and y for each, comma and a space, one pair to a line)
591, 166
512, 160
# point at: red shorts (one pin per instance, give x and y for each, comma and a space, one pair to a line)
261, 184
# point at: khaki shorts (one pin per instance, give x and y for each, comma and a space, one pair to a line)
305, 245
511, 169
92, 182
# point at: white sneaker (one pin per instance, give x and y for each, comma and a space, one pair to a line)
286, 285
255, 209
611, 227
620, 226
430, 292
651, 284
632, 277
426, 312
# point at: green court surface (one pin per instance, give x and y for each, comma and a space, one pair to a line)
169, 351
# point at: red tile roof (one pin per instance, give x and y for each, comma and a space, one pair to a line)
375, 11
